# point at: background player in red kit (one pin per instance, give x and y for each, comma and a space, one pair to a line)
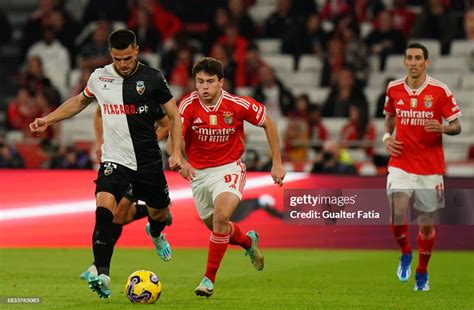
213, 130
415, 106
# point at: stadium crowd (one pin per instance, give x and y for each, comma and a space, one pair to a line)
310, 62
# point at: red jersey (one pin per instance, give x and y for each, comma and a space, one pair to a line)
214, 136
422, 151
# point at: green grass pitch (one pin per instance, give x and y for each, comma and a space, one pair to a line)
292, 279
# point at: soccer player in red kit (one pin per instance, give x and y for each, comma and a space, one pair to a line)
415, 107
213, 131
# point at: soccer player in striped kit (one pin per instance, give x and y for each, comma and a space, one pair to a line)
130, 96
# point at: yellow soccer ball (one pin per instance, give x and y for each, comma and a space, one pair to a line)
143, 287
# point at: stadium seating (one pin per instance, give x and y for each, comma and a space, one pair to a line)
310, 63
269, 46
462, 48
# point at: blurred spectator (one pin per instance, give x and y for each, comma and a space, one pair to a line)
403, 17
95, 53
358, 129
21, 111
295, 140
333, 160
367, 10
273, 94
54, 57
253, 63
82, 82
45, 104
239, 15
304, 7
224, 55
9, 157
333, 9
469, 24
318, 133
70, 158
216, 28
187, 11
300, 110
166, 23
381, 99
181, 71
33, 29
438, 22
111, 10
312, 39
236, 44
356, 53
344, 94
5, 28
385, 40
67, 29
34, 79
281, 23
333, 62
148, 37
169, 52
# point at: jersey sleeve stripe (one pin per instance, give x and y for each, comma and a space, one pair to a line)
185, 102
442, 85
454, 116
87, 93
264, 116
245, 104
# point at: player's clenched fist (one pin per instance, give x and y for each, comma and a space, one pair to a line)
38, 126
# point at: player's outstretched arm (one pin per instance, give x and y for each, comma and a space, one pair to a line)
171, 111
69, 108
278, 172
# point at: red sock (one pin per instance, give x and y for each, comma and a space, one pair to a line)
217, 246
425, 246
401, 235
237, 237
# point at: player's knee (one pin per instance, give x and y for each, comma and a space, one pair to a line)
220, 219
159, 215
426, 230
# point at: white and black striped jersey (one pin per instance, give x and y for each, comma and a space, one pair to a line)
130, 106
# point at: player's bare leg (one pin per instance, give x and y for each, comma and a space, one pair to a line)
400, 204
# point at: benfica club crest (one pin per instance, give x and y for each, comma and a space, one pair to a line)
140, 87
428, 100
228, 117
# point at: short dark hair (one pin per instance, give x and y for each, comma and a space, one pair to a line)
420, 46
122, 38
210, 66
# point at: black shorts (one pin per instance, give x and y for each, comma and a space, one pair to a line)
148, 185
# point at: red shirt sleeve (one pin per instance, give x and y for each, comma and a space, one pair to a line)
389, 107
450, 108
256, 112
